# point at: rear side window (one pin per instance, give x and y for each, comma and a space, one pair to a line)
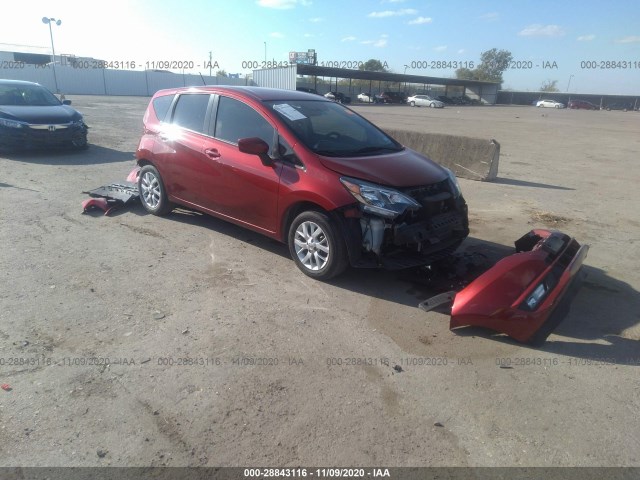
191, 111
161, 106
237, 120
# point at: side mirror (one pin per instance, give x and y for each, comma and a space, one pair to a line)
66, 102
255, 146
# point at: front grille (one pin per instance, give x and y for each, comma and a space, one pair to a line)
422, 194
36, 137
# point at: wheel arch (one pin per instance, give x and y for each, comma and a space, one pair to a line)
349, 228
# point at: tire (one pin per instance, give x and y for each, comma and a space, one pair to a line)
557, 106
413, 104
316, 246
432, 105
153, 195
80, 142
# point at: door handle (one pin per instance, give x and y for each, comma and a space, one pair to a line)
212, 153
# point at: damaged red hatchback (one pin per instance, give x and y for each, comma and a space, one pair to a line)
303, 170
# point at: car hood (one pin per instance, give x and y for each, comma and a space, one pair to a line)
406, 168
36, 115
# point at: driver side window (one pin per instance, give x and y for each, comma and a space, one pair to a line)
236, 120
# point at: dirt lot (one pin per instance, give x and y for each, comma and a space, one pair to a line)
99, 315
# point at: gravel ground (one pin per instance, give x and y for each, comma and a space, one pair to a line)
133, 340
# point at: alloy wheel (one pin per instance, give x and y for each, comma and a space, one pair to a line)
311, 246
150, 190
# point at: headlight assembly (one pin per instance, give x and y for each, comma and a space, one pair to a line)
383, 201
4, 122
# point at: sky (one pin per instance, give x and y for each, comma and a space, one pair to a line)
587, 46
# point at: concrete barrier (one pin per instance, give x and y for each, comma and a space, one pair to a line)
467, 157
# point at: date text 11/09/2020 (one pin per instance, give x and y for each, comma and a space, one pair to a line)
316, 472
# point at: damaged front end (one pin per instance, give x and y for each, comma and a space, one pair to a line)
407, 227
524, 295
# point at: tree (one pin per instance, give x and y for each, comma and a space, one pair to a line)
373, 65
221, 73
492, 64
466, 74
549, 86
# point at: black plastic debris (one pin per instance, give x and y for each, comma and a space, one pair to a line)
111, 197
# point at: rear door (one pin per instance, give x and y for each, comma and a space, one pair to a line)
246, 190
179, 148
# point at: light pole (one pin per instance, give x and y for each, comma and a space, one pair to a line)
405, 72
57, 22
569, 82
265, 51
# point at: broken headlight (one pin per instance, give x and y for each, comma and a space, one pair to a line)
453, 183
379, 200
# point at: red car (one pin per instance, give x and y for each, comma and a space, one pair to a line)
582, 104
300, 169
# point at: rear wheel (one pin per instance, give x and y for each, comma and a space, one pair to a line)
413, 104
316, 246
432, 105
152, 193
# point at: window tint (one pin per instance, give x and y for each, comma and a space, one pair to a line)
191, 111
161, 106
237, 120
331, 129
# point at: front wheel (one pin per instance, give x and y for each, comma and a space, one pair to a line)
413, 104
316, 246
79, 141
152, 193
433, 105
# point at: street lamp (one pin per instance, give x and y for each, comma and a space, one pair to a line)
405, 69
569, 82
48, 21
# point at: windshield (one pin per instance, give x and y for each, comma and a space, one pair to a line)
26, 95
333, 130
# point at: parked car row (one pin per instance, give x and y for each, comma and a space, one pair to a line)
337, 97
583, 105
416, 100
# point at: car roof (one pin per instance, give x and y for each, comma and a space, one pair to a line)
256, 93
16, 82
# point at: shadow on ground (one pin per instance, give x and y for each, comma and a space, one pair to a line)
601, 312
524, 183
94, 155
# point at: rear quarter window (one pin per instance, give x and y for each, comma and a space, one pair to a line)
161, 106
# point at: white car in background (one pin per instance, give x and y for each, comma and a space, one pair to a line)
424, 101
550, 104
365, 97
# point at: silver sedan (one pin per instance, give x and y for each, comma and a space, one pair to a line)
550, 104
424, 101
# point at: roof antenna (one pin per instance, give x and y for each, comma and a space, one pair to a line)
203, 82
